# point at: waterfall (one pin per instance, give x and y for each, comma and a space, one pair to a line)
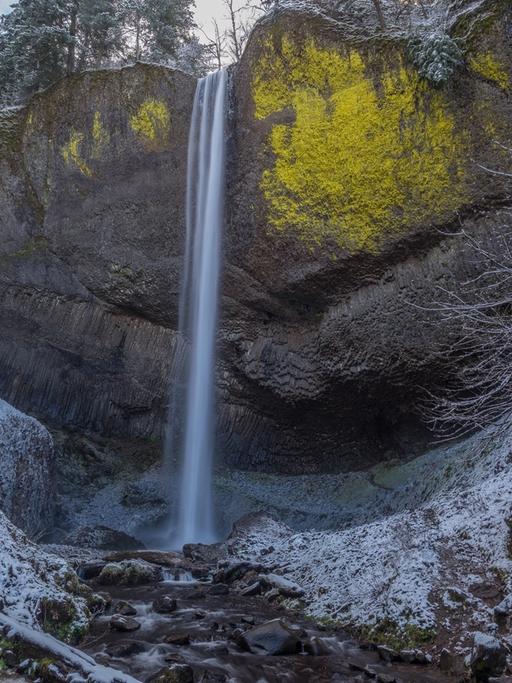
199, 306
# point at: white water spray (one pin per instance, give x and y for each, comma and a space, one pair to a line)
199, 305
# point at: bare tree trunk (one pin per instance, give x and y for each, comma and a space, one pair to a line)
233, 33
70, 61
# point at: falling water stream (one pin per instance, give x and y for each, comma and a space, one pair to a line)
199, 307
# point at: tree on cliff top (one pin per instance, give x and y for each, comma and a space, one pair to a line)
41, 40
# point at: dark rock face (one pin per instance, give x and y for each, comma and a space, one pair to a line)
92, 186
323, 339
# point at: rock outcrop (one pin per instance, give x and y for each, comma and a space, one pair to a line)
347, 175
26, 459
38, 589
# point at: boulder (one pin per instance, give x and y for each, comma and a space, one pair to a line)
125, 609
177, 639
118, 622
165, 604
26, 461
488, 657
129, 573
271, 638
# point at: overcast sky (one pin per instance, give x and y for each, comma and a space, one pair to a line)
206, 9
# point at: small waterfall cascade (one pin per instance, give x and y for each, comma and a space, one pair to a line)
199, 307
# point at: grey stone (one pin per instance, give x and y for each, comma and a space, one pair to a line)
118, 622
271, 638
488, 657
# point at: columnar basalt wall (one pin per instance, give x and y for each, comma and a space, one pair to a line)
347, 174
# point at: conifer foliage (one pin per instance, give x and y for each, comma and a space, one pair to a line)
42, 40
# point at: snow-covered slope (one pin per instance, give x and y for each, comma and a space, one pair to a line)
441, 567
26, 454
38, 589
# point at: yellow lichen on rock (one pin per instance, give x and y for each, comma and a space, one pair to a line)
100, 136
152, 124
71, 153
486, 65
364, 158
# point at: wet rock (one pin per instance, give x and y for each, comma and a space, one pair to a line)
271, 638
125, 609
387, 654
413, 657
175, 673
219, 589
253, 589
317, 646
488, 657
248, 620
129, 573
386, 678
121, 623
126, 648
102, 537
200, 614
177, 639
165, 605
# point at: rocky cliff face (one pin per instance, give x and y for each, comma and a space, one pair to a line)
92, 186
346, 169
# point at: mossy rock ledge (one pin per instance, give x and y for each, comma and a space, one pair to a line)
347, 171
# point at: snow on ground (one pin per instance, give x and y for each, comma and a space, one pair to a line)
441, 566
30, 576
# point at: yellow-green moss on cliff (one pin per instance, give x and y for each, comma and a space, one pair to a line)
485, 64
152, 123
71, 153
364, 158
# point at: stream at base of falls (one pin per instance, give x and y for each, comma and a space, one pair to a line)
203, 632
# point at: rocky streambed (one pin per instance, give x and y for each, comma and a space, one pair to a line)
199, 623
